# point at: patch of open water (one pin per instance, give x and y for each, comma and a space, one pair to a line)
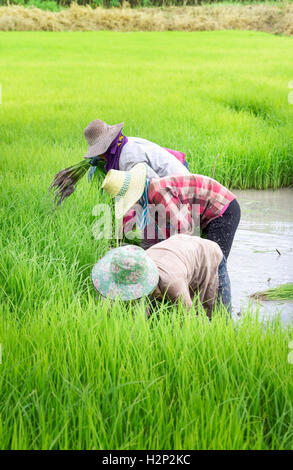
254, 264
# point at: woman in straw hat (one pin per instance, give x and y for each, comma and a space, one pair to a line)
122, 153
179, 268
109, 149
217, 208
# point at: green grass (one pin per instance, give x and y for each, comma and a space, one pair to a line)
202, 93
283, 292
50, 5
71, 375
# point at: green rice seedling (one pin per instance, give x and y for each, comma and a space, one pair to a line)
283, 292
219, 99
76, 375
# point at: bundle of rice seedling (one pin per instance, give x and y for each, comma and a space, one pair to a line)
65, 181
282, 292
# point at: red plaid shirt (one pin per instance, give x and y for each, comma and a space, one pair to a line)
179, 193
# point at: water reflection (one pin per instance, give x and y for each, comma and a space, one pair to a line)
265, 230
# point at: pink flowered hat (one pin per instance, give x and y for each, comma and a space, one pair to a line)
126, 272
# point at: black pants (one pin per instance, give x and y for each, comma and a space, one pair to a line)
222, 229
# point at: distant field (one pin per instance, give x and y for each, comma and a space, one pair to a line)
76, 373
273, 17
202, 93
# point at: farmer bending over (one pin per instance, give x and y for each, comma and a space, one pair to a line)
219, 211
179, 268
109, 149
122, 153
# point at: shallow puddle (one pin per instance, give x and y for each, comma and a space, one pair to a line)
254, 263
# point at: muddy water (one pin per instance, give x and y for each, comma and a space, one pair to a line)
254, 263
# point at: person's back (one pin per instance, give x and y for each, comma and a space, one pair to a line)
187, 265
160, 162
173, 191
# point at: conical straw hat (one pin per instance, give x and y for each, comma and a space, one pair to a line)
99, 136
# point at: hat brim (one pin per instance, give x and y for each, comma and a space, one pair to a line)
104, 142
107, 286
136, 187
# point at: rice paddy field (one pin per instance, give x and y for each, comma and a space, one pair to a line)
78, 373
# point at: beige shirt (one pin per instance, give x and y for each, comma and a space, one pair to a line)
188, 265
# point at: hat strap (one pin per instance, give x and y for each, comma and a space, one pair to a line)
125, 185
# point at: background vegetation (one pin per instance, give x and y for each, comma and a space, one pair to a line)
203, 94
275, 18
133, 3
56, 5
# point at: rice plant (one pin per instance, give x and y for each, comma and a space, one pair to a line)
283, 292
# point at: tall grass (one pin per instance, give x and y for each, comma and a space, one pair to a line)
57, 5
80, 373
274, 18
135, 3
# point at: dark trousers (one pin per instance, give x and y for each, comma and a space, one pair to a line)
222, 229
224, 290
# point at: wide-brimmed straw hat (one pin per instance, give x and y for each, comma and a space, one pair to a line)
126, 186
99, 136
126, 272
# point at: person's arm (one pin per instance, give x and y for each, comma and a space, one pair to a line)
150, 172
128, 221
129, 159
179, 290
